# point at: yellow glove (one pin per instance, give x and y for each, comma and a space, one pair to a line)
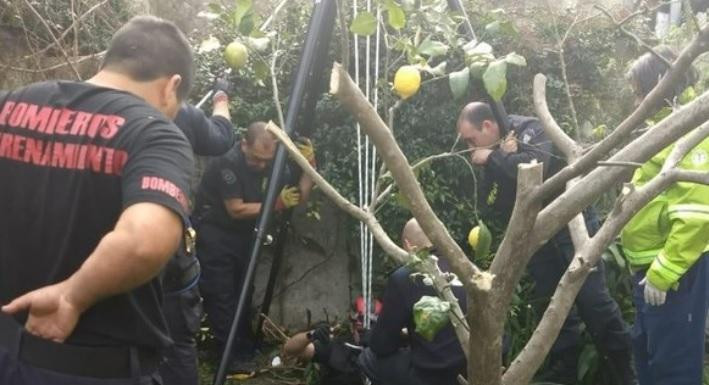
305, 146
288, 198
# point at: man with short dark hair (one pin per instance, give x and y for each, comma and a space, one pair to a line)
208, 136
98, 196
500, 153
228, 204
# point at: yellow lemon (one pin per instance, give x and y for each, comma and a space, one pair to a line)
236, 55
474, 237
407, 81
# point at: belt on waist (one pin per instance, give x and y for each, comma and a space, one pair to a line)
81, 361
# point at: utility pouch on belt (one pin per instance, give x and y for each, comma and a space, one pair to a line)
182, 271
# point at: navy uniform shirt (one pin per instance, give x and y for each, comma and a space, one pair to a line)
209, 136
443, 355
230, 177
499, 184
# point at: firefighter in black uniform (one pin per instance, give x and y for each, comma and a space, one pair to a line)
95, 180
208, 136
228, 203
499, 153
392, 360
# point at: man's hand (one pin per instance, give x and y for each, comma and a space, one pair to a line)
509, 145
305, 146
288, 198
53, 313
479, 157
653, 295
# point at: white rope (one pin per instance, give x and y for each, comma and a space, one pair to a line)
366, 159
367, 93
370, 251
362, 228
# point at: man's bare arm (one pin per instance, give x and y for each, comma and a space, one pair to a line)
238, 209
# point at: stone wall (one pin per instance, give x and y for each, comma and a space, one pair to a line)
318, 274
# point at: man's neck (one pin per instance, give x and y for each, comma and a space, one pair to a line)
118, 81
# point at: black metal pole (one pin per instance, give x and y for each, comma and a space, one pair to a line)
304, 127
498, 109
323, 16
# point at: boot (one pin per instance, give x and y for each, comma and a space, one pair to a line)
621, 368
562, 367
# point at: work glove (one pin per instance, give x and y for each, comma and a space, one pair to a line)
305, 146
653, 295
288, 198
223, 85
321, 333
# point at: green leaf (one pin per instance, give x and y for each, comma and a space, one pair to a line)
365, 24
247, 24
438, 70
587, 361
495, 79
215, 7
477, 69
515, 59
242, 8
482, 250
432, 48
494, 27
395, 15
258, 43
261, 70
481, 48
430, 316
458, 82
209, 44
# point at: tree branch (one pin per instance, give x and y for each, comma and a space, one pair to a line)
443, 287
561, 140
54, 67
73, 26
374, 226
532, 356
351, 97
633, 36
561, 210
577, 226
428, 265
699, 45
684, 145
49, 30
619, 164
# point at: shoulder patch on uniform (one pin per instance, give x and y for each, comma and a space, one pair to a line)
526, 138
228, 176
699, 157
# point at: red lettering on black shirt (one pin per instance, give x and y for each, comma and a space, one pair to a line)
60, 121
159, 184
5, 112
99, 159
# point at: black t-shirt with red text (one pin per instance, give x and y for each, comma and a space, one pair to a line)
72, 157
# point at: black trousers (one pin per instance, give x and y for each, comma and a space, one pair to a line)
594, 305
398, 369
183, 312
224, 257
14, 372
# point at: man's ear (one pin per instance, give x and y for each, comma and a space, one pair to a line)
172, 86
